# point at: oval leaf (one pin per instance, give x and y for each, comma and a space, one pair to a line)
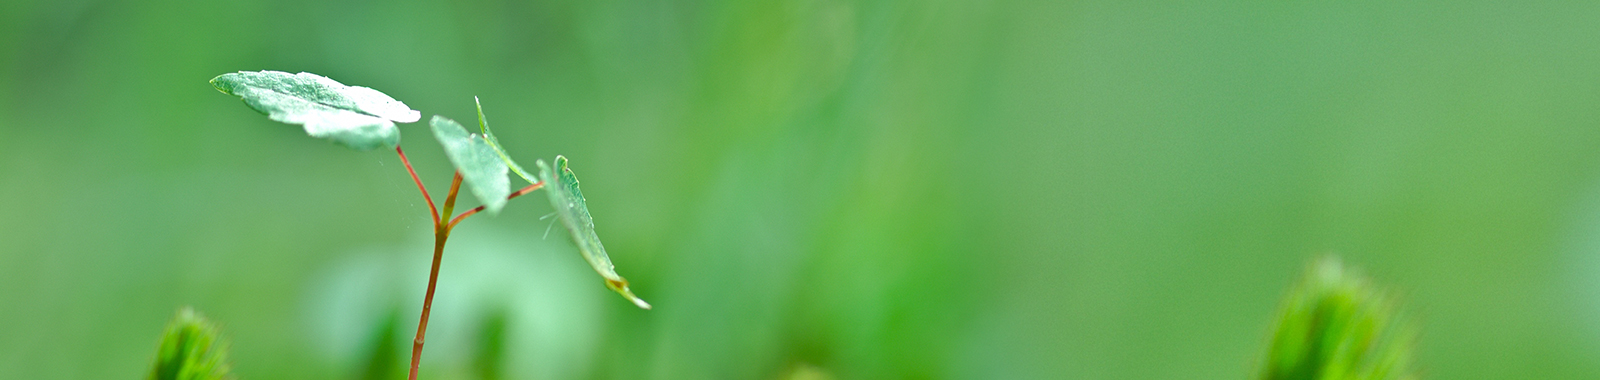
479, 164
562, 186
357, 117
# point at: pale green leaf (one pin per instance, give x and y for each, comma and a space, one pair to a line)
483, 127
567, 199
357, 117
480, 167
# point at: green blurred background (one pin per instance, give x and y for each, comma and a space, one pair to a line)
813, 188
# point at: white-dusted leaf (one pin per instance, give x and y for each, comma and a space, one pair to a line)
562, 187
480, 166
357, 117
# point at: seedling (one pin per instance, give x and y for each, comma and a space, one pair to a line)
364, 119
1335, 325
191, 349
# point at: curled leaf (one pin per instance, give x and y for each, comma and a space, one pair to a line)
191, 349
567, 199
353, 116
488, 135
480, 167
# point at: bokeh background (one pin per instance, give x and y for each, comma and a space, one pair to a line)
808, 189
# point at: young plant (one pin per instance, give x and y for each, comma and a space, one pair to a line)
1335, 325
364, 119
191, 349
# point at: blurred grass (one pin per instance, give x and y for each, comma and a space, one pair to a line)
939, 189
1336, 324
191, 349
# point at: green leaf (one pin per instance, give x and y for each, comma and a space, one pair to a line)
483, 127
357, 117
1337, 325
480, 167
191, 349
562, 186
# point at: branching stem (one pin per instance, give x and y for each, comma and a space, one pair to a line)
441, 232
475, 210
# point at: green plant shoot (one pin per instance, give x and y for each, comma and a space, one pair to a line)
363, 119
191, 349
1335, 325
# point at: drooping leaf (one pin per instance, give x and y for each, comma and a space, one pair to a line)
354, 116
567, 199
480, 166
1337, 325
191, 349
483, 127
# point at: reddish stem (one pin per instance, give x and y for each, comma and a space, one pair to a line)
475, 210
427, 303
424, 189
441, 232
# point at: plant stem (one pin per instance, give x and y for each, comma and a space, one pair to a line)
450, 201
427, 303
441, 232
475, 210
424, 189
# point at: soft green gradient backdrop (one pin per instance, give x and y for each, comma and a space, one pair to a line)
873, 190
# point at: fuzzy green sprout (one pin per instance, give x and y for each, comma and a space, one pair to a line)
191, 349
1335, 325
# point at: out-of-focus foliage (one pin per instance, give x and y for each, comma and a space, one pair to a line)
1336, 325
191, 349
515, 307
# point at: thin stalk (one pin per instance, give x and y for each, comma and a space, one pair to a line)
475, 210
424, 189
441, 232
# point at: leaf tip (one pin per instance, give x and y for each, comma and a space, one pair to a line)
410, 116
639, 302
621, 287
